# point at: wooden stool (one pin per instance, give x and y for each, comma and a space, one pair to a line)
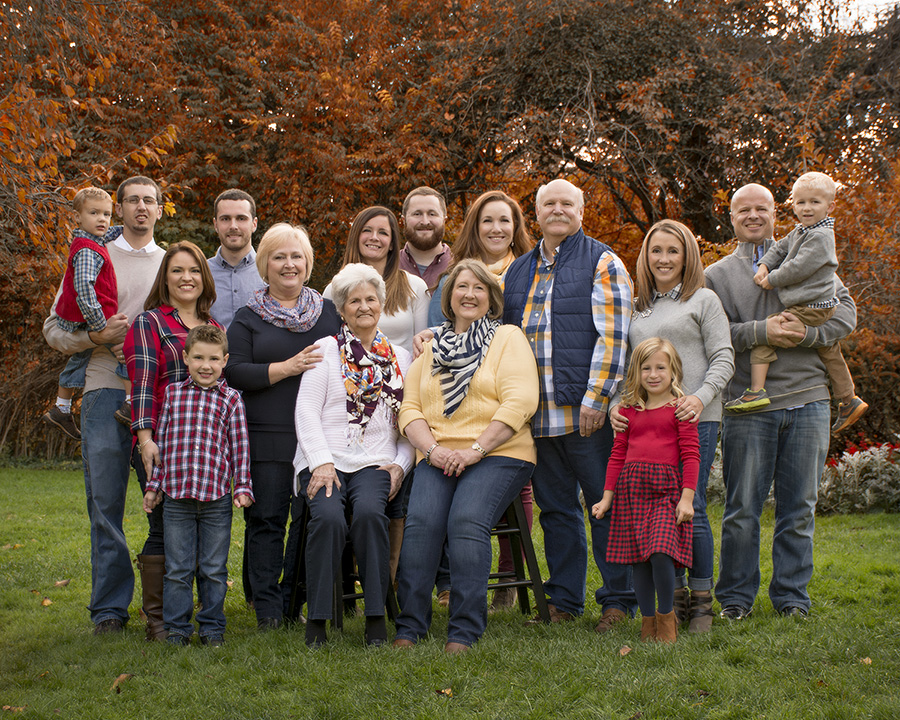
514, 527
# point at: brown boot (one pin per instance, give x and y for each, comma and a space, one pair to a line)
153, 570
701, 612
648, 629
395, 536
666, 627
682, 604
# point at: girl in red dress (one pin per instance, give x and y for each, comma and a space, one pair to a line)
652, 500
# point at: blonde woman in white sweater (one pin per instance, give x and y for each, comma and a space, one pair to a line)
349, 451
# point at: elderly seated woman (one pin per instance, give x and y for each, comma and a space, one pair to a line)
349, 453
468, 401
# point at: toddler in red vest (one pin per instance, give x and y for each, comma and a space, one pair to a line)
89, 296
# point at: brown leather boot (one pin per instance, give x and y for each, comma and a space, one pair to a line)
666, 627
153, 570
395, 536
648, 629
701, 612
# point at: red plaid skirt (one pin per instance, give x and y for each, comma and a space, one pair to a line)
643, 516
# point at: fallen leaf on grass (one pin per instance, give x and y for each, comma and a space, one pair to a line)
821, 683
35, 592
703, 693
866, 661
61, 583
13, 708
446, 691
46, 602
44, 674
117, 685
624, 650
229, 583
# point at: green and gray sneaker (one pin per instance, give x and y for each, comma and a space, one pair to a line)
750, 400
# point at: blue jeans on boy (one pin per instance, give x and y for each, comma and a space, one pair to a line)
788, 448
701, 572
198, 535
105, 450
463, 510
564, 463
74, 372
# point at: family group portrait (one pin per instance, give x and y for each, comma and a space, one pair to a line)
529, 358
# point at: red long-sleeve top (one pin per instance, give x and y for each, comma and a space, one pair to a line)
656, 436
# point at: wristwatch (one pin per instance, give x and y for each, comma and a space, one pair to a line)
477, 448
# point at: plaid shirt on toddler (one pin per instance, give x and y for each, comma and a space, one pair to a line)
203, 442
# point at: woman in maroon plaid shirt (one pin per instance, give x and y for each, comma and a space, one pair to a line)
180, 299
654, 502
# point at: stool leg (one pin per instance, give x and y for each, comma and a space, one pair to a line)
534, 571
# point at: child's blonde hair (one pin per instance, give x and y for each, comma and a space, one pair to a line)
816, 181
89, 193
635, 395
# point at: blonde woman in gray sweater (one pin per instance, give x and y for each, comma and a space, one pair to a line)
672, 302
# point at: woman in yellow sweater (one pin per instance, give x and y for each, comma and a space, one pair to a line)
466, 408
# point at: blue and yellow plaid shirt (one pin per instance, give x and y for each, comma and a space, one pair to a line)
611, 301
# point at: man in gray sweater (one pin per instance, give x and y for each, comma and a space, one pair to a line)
784, 442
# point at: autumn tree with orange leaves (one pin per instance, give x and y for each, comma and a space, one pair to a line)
321, 108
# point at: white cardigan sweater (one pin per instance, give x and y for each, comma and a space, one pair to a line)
320, 417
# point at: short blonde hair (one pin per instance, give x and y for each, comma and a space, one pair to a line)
816, 181
90, 193
276, 235
480, 271
350, 277
635, 395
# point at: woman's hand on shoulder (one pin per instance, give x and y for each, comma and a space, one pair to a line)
299, 363
420, 340
688, 408
323, 476
618, 421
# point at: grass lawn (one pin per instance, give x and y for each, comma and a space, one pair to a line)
844, 662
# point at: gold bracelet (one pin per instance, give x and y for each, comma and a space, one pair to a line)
142, 445
428, 453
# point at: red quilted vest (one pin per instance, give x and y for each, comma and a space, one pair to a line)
105, 285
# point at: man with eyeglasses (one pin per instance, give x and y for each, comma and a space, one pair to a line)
105, 443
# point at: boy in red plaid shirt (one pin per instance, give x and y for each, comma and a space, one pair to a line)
202, 436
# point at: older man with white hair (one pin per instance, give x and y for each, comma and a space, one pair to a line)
572, 296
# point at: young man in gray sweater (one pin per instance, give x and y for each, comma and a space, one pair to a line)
784, 442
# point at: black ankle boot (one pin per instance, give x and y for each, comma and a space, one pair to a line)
376, 631
315, 633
